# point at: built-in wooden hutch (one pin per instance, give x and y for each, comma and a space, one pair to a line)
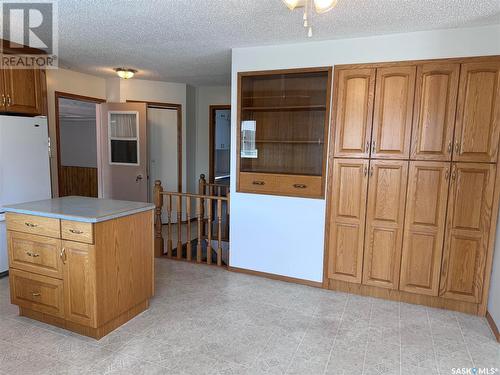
283, 125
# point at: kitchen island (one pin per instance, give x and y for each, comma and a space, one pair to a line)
83, 264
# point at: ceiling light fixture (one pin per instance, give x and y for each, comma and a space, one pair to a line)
320, 6
125, 73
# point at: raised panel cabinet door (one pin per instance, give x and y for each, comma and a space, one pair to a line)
478, 113
23, 89
79, 282
354, 112
467, 231
384, 222
347, 219
425, 220
436, 92
392, 116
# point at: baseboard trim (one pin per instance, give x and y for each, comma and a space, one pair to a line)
4, 274
276, 277
493, 326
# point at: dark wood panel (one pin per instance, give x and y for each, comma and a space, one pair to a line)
78, 181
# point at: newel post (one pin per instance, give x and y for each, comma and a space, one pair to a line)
158, 201
202, 190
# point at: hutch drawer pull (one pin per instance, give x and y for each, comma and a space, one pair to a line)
299, 186
258, 183
30, 225
36, 294
76, 231
34, 255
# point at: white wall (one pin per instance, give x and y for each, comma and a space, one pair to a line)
283, 235
67, 81
205, 97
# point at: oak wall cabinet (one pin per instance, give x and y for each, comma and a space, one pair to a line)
22, 91
412, 204
283, 121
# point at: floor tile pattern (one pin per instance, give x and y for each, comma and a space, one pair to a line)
205, 320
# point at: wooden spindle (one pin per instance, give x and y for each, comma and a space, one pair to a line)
200, 225
219, 232
202, 190
188, 229
158, 200
179, 227
169, 228
209, 229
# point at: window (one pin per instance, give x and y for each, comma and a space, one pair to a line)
123, 135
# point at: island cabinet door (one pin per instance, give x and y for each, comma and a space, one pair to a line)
384, 222
392, 116
467, 230
434, 111
353, 112
477, 127
347, 219
425, 217
79, 283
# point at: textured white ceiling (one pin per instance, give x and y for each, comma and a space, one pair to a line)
190, 40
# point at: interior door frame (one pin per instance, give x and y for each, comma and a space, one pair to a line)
66, 95
211, 137
178, 108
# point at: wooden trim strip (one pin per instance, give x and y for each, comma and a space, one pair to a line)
315, 284
493, 326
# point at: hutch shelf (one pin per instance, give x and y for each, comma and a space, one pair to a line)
283, 125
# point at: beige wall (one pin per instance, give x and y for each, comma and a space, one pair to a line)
67, 81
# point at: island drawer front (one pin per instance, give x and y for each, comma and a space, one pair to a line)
38, 293
36, 254
77, 231
43, 226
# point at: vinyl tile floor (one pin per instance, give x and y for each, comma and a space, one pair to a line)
206, 320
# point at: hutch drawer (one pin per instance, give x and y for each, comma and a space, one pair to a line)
290, 185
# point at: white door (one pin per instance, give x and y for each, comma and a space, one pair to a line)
123, 152
163, 146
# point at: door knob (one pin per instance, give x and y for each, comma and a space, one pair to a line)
138, 178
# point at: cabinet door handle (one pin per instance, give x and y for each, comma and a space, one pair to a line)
373, 146
36, 294
367, 147
299, 186
454, 174
447, 174
260, 183
30, 225
457, 147
76, 231
365, 171
450, 147
4, 100
371, 171
63, 255
9, 101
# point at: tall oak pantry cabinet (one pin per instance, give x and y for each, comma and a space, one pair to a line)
413, 190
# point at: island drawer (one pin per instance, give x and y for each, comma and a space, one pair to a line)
38, 293
36, 254
77, 231
43, 226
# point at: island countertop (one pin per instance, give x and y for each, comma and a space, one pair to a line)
83, 209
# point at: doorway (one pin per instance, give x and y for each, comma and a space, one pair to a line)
76, 138
220, 144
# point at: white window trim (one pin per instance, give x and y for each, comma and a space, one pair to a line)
137, 139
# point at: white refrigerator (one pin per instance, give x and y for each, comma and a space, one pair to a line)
24, 167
